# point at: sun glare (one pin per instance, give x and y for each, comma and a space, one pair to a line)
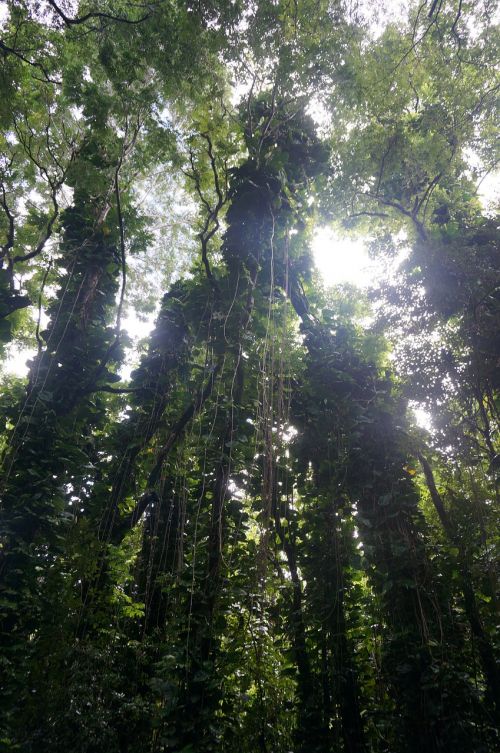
343, 260
422, 417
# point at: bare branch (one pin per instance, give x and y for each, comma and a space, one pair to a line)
116, 390
93, 14
211, 224
433, 16
412, 215
55, 186
454, 24
8, 245
367, 214
40, 295
34, 63
392, 140
123, 260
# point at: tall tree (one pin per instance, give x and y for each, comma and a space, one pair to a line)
247, 543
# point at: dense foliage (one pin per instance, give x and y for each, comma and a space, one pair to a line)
231, 534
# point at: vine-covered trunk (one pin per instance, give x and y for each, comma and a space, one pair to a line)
50, 454
484, 644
